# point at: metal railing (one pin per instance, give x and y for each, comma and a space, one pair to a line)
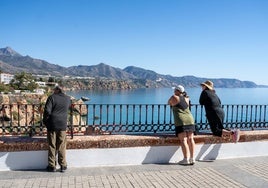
26, 119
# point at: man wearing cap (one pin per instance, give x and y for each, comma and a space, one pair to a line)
214, 112
55, 119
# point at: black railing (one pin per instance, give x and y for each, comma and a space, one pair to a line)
25, 119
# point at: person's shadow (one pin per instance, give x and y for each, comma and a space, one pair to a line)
208, 153
160, 155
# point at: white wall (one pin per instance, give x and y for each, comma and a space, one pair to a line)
131, 155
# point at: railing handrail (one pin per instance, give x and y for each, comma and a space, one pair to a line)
24, 119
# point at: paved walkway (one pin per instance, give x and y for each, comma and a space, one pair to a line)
241, 172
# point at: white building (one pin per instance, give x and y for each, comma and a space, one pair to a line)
41, 84
39, 91
6, 78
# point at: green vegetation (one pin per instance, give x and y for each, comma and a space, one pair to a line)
23, 81
5, 88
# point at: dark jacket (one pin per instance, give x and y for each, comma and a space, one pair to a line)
212, 105
56, 112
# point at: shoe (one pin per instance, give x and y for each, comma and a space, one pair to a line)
51, 169
185, 161
236, 135
63, 168
191, 161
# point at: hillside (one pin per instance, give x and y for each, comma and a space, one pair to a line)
101, 70
13, 62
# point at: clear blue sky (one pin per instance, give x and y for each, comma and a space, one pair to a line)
204, 38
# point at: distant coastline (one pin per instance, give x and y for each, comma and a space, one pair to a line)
109, 84
103, 76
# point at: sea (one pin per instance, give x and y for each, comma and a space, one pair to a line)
159, 96
245, 96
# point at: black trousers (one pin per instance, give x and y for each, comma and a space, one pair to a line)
216, 126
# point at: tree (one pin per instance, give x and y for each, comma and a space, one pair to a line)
4, 88
51, 79
23, 81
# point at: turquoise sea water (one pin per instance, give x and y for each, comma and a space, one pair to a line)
161, 95
234, 96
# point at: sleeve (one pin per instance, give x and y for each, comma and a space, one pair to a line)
47, 110
203, 98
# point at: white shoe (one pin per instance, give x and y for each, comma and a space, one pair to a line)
191, 161
185, 161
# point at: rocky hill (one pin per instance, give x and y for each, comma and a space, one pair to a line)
13, 62
101, 70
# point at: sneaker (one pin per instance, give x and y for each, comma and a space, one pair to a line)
63, 168
184, 162
236, 135
191, 161
51, 169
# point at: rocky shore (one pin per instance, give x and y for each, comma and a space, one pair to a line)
109, 84
19, 113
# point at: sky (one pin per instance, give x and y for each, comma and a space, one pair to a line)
203, 38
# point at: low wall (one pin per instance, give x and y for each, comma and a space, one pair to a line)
106, 150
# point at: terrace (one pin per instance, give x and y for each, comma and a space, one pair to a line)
125, 134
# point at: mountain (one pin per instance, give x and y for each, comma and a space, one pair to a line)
13, 62
142, 73
190, 81
101, 70
8, 52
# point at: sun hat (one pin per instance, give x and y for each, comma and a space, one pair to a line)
208, 84
180, 88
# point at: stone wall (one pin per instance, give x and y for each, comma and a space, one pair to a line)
24, 153
11, 143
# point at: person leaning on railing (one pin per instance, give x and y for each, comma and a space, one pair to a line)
184, 124
215, 113
55, 119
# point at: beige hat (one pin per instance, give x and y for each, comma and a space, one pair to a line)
208, 84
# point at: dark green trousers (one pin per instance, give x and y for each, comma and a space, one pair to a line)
56, 146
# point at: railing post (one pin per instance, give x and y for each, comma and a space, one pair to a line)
71, 121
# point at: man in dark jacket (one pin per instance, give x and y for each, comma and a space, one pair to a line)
55, 119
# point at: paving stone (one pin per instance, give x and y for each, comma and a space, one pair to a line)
235, 173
